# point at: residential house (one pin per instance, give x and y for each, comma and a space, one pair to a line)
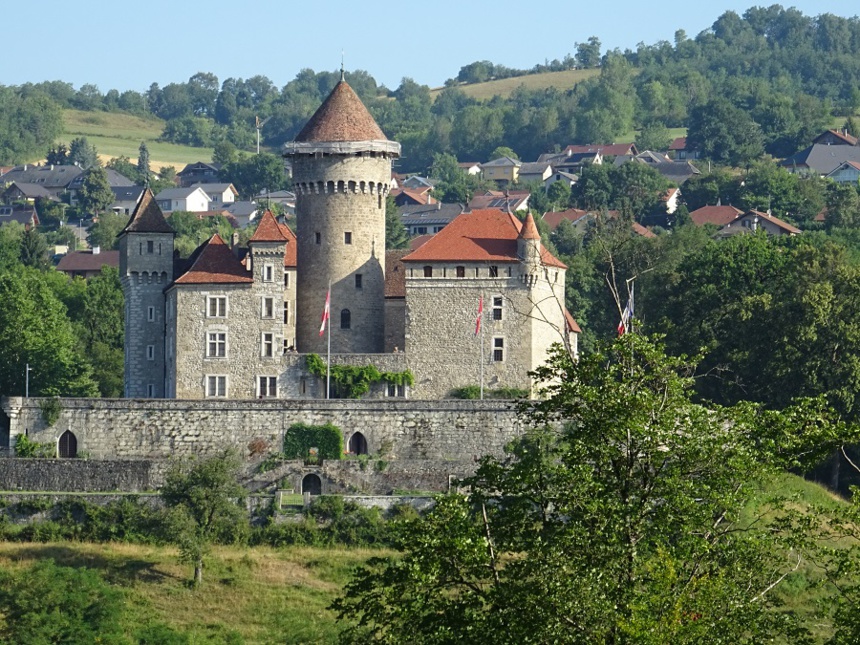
470, 167
410, 197
219, 194
89, 263
22, 214
19, 191
581, 219
846, 172
504, 171
534, 171
426, 219
243, 212
672, 200
114, 179
606, 150
199, 173
53, 178
680, 150
753, 221
675, 171
190, 198
571, 163
573, 215
821, 159
835, 138
560, 175
507, 201
418, 183
125, 198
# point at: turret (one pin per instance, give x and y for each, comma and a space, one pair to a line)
146, 268
341, 173
529, 251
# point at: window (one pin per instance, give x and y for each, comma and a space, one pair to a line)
286, 312
461, 272
318, 237
419, 230
150, 390
267, 387
498, 349
268, 345
286, 279
150, 314
268, 309
392, 389
497, 307
345, 319
268, 273
347, 237
150, 246
150, 352
358, 281
428, 272
216, 306
217, 345
216, 386
494, 271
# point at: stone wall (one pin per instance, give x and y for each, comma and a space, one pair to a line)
80, 476
394, 429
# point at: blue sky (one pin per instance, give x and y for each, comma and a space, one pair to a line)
128, 45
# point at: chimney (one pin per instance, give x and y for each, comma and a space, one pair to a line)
97, 250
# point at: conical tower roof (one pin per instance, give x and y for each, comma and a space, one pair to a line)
147, 217
342, 125
268, 230
529, 230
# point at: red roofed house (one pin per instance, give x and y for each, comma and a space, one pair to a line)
715, 215
86, 264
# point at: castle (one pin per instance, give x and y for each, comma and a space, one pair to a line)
231, 323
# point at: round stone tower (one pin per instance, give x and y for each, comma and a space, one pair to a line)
341, 175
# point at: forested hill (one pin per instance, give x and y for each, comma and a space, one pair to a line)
789, 74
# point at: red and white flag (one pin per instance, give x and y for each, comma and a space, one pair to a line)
480, 315
326, 310
626, 316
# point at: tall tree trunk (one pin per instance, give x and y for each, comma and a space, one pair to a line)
198, 573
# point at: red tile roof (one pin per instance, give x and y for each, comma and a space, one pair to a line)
268, 230
215, 264
147, 217
488, 235
844, 136
290, 257
785, 226
716, 215
641, 230
529, 231
679, 143
571, 323
553, 218
88, 261
341, 117
416, 242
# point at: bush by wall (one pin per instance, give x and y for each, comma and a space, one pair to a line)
300, 438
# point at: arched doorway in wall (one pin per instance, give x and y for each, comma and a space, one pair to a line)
68, 446
357, 444
312, 484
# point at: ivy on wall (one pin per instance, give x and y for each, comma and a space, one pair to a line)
355, 380
301, 437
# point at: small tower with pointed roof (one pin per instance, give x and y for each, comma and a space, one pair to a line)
341, 175
146, 269
529, 251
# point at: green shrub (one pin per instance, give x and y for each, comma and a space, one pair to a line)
474, 392
353, 381
51, 410
300, 438
26, 448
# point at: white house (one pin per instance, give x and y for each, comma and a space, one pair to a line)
192, 198
219, 194
846, 172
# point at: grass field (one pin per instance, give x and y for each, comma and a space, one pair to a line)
504, 87
265, 595
116, 134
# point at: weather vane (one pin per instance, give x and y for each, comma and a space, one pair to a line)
342, 73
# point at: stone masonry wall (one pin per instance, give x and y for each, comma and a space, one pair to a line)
398, 429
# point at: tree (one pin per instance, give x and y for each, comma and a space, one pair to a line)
46, 603
588, 53
654, 136
503, 151
95, 194
143, 170
35, 330
104, 232
396, 235
57, 155
206, 503
724, 133
252, 174
617, 520
34, 249
82, 153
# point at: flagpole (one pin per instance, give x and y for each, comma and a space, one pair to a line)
482, 346
328, 353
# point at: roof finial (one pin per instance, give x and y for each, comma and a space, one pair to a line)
342, 74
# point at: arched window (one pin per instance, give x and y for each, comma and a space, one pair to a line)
357, 444
68, 445
312, 484
345, 319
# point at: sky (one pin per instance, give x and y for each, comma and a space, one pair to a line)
129, 45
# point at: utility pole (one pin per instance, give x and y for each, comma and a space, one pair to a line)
258, 125
27, 381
